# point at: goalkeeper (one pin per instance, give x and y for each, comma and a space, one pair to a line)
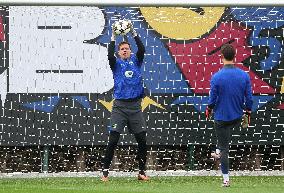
128, 94
231, 99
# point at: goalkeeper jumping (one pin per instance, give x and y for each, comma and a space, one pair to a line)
231, 99
128, 94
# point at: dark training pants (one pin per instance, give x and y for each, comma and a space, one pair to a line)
141, 154
127, 114
223, 133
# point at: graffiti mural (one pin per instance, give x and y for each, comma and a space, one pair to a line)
56, 85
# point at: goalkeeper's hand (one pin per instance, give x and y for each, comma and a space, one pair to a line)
132, 30
113, 34
208, 113
246, 119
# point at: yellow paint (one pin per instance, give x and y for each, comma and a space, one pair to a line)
182, 23
108, 105
147, 101
282, 87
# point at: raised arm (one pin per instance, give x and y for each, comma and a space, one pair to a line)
111, 50
141, 49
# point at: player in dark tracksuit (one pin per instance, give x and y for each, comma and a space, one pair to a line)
128, 94
230, 96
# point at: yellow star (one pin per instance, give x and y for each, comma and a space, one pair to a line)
282, 87
108, 105
148, 101
145, 103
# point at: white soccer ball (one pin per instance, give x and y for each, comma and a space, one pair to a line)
121, 27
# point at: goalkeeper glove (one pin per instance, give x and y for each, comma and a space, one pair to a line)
132, 30
246, 119
208, 113
113, 34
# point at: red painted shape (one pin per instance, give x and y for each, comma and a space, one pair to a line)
2, 34
281, 106
198, 61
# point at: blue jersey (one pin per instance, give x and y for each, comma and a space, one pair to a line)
230, 93
127, 77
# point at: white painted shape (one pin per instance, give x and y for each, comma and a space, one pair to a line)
3, 86
34, 49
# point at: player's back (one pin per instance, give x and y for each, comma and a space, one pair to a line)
230, 83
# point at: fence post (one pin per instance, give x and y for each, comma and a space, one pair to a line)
45, 159
190, 154
80, 160
282, 157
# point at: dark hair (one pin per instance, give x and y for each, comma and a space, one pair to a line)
228, 51
124, 42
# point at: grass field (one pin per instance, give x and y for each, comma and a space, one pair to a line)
271, 184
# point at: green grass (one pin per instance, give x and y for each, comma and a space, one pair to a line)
241, 184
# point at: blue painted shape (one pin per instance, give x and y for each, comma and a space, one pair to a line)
160, 72
263, 18
199, 102
259, 101
83, 100
45, 106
